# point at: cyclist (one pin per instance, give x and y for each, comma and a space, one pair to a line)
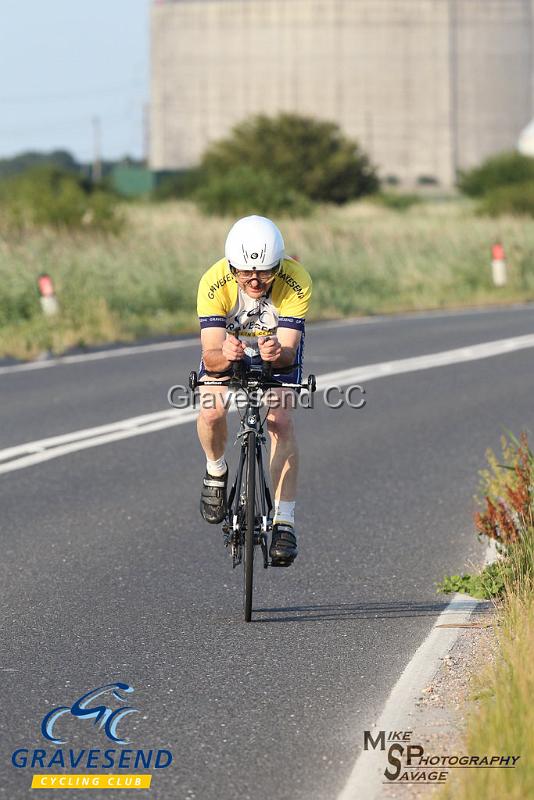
252, 306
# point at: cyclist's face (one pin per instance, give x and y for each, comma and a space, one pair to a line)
255, 282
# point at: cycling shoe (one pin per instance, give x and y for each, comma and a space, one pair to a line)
283, 550
213, 498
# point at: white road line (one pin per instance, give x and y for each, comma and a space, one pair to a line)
31, 453
416, 363
131, 423
100, 355
75, 446
367, 776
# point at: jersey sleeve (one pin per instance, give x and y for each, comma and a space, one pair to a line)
295, 302
210, 308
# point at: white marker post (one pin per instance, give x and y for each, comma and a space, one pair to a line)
49, 302
498, 265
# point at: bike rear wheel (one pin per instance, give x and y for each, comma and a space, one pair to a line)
250, 520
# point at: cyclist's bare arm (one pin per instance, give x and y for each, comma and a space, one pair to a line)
219, 350
289, 340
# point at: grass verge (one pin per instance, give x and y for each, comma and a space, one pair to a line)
364, 259
503, 721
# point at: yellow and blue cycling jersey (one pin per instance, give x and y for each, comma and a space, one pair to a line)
222, 304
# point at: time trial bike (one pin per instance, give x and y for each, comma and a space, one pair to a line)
248, 521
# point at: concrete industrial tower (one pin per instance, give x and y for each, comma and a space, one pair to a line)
426, 86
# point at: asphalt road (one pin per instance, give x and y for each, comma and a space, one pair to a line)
108, 572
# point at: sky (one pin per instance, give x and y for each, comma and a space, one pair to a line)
65, 62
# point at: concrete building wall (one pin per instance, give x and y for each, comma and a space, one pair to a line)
425, 85
491, 54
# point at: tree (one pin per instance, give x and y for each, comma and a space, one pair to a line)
503, 169
46, 196
239, 191
312, 157
61, 159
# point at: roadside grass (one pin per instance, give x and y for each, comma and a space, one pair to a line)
490, 582
502, 723
364, 259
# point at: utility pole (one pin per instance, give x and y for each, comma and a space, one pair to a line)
97, 162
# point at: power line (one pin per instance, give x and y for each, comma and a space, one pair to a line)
70, 95
60, 125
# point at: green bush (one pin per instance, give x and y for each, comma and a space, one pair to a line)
515, 200
178, 185
503, 169
61, 159
309, 156
51, 197
244, 190
397, 201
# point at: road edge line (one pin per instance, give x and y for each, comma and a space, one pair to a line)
367, 775
116, 350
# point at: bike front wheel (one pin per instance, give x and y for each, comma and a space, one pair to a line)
250, 520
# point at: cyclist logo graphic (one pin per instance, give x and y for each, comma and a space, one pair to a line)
106, 718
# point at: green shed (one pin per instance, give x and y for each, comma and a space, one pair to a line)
132, 181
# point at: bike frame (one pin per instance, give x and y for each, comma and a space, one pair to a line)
248, 519
253, 444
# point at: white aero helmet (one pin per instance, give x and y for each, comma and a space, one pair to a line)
254, 243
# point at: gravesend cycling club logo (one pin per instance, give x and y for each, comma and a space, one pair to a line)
106, 709
104, 717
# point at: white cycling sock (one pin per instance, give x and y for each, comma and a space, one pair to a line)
284, 511
216, 468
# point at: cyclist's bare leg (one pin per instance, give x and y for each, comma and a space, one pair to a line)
212, 433
284, 473
284, 448
211, 422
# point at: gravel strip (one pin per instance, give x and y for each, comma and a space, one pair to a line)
440, 719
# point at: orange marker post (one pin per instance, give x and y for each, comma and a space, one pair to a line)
498, 265
49, 303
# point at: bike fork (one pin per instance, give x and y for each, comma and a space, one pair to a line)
265, 505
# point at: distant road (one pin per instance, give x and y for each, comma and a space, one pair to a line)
108, 572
